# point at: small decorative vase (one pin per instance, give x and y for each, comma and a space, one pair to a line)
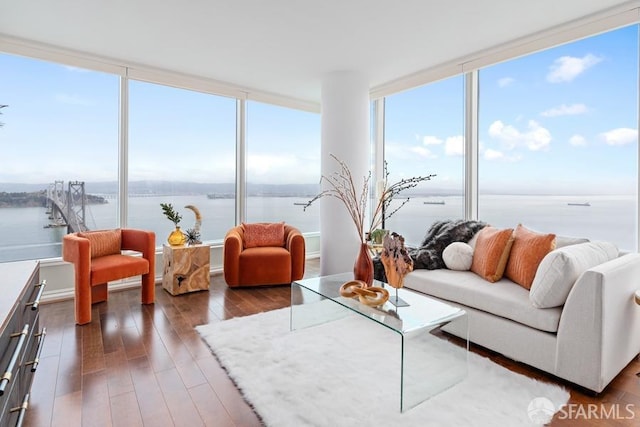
177, 237
363, 267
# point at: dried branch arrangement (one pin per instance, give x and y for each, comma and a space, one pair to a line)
342, 187
387, 193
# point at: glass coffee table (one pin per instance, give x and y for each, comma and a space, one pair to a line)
428, 363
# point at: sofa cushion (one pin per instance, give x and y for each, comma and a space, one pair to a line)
502, 298
492, 252
265, 266
262, 234
103, 242
458, 256
115, 267
528, 249
560, 269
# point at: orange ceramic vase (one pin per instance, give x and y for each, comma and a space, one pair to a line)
363, 268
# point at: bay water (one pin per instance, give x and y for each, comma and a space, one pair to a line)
26, 234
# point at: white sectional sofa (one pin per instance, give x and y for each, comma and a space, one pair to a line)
587, 340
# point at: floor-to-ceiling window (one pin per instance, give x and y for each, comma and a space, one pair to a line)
558, 149
283, 165
558, 139
423, 134
181, 151
60, 126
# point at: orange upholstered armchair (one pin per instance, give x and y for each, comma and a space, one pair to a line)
97, 260
263, 254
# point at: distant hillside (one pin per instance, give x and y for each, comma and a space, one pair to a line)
175, 188
23, 199
36, 199
181, 188
169, 188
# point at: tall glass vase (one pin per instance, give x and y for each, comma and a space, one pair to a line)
363, 267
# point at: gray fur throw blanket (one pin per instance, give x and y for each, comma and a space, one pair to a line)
440, 235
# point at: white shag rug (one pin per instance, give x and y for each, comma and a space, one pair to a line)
346, 373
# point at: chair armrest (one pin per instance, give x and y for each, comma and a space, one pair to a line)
294, 243
231, 257
141, 241
77, 250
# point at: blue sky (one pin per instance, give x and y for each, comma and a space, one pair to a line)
562, 120
65, 121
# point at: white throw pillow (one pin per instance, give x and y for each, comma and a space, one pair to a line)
560, 269
458, 256
473, 241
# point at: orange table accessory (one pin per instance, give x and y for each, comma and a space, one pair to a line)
369, 295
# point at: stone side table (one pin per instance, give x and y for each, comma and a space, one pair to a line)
185, 268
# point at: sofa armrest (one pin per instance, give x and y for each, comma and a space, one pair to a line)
599, 331
231, 257
294, 243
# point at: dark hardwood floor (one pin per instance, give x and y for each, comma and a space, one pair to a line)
138, 365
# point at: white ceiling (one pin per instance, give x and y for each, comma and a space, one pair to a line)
285, 47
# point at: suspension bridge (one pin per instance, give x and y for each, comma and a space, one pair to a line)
67, 207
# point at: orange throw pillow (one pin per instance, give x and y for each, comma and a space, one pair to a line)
527, 252
103, 242
263, 234
492, 252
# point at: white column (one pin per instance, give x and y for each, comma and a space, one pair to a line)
345, 134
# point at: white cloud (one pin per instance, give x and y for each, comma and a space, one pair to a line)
265, 164
567, 68
620, 136
431, 140
454, 146
423, 152
535, 138
75, 69
565, 110
495, 155
491, 154
506, 81
405, 153
577, 140
66, 98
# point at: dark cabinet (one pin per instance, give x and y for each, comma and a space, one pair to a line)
21, 338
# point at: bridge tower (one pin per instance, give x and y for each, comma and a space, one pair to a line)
55, 192
76, 201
